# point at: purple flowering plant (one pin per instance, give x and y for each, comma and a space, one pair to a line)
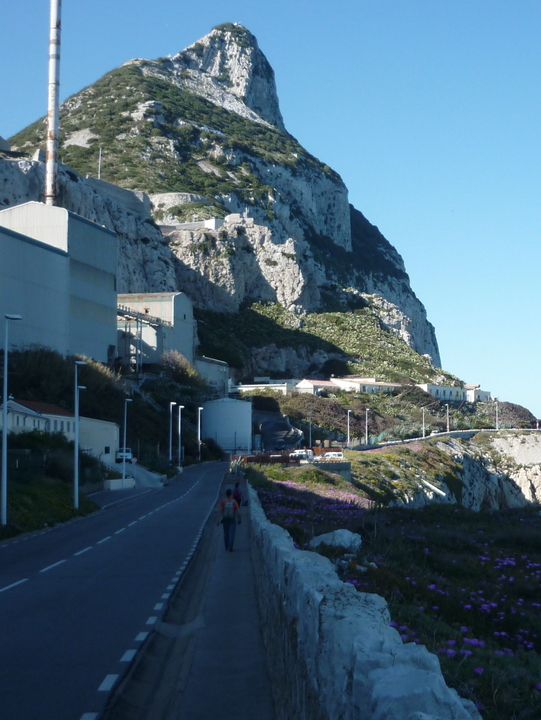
467, 585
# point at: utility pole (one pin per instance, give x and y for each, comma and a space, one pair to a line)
424, 427
349, 413
447, 410
99, 165
53, 114
497, 417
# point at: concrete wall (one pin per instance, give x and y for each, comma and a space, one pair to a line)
332, 654
97, 437
92, 277
215, 373
34, 284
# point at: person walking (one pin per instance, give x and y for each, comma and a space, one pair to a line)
230, 513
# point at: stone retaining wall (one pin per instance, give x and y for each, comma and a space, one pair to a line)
332, 654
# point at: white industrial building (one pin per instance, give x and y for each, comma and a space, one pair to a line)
369, 386
150, 324
58, 271
444, 392
229, 423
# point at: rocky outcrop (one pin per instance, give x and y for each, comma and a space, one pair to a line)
498, 471
332, 653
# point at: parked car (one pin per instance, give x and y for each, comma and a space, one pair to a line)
124, 454
334, 455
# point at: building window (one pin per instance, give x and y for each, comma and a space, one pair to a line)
55, 425
61, 426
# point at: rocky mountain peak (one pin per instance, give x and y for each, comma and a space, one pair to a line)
229, 59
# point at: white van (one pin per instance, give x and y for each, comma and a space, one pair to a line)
334, 455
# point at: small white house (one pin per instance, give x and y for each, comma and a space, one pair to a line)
229, 423
29, 415
475, 394
315, 387
99, 438
368, 386
444, 392
215, 372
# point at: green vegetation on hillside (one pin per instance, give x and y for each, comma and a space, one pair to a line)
160, 152
357, 340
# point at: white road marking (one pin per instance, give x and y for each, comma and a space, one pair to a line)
141, 637
117, 532
8, 587
152, 620
158, 606
133, 523
166, 596
170, 587
123, 500
108, 683
103, 540
84, 550
89, 716
128, 656
50, 567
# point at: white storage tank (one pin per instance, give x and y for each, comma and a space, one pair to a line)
229, 423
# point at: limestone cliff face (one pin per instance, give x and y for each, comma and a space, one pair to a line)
502, 472
228, 66
202, 133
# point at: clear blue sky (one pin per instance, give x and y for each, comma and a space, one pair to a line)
430, 110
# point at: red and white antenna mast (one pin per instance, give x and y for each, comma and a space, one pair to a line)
53, 114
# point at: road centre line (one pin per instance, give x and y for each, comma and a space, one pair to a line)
50, 567
8, 587
103, 540
108, 683
117, 532
141, 637
128, 656
84, 550
152, 620
158, 606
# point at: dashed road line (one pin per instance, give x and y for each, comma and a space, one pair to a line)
158, 606
8, 587
128, 656
89, 716
108, 683
50, 567
84, 550
152, 620
105, 539
120, 530
141, 637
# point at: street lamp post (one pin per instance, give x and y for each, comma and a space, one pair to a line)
349, 413
5, 401
199, 411
447, 411
76, 388
179, 428
366, 426
310, 433
126, 401
424, 426
497, 414
171, 431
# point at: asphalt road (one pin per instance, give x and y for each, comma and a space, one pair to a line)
78, 601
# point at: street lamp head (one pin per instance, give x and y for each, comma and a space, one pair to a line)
181, 407
10, 316
200, 408
171, 403
81, 387
127, 400
81, 362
